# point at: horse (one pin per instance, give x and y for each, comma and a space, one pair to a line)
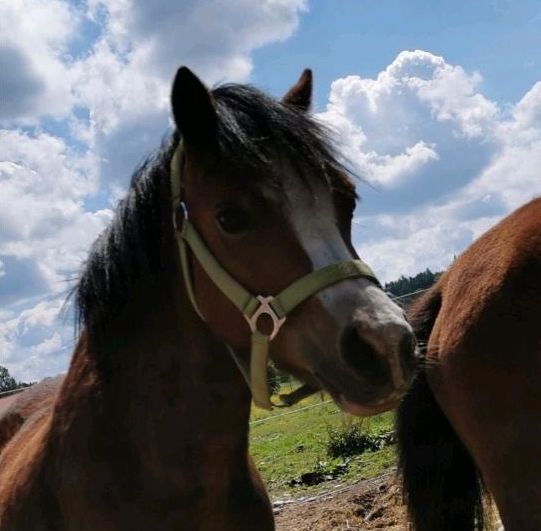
471, 421
149, 428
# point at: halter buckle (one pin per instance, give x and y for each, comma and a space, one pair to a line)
180, 215
265, 308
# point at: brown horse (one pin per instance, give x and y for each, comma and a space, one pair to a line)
149, 429
473, 417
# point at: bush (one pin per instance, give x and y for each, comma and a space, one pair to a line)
349, 440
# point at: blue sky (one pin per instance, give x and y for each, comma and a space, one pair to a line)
436, 104
501, 39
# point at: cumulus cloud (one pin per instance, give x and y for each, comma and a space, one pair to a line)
46, 230
45, 236
124, 81
33, 45
403, 129
445, 163
215, 36
33, 342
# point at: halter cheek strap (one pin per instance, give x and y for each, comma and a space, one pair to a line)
252, 307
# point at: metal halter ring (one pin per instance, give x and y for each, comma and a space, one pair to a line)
265, 308
180, 215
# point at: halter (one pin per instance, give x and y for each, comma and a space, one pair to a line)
251, 306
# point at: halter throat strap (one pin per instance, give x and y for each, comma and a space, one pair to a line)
251, 306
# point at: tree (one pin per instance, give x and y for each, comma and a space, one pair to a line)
7, 382
404, 285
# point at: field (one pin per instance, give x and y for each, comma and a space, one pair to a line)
289, 448
356, 492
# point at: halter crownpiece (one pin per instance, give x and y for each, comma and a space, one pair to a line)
252, 307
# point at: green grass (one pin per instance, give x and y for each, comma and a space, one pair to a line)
292, 444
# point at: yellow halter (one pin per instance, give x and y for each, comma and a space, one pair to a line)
252, 307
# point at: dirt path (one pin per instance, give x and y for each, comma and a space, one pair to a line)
367, 505
373, 504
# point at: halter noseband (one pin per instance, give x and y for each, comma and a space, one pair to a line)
252, 307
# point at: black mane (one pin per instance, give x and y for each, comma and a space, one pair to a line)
252, 127
258, 126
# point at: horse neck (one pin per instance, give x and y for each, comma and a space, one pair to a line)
167, 387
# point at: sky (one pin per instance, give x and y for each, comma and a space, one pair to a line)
437, 106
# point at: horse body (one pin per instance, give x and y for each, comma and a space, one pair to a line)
115, 454
481, 322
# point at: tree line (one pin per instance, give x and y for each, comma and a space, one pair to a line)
404, 285
8, 383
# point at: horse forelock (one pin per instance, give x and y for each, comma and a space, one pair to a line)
260, 128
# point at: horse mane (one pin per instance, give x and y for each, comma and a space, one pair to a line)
259, 126
130, 247
252, 127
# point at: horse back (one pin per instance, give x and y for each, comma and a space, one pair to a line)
23, 424
489, 300
16, 410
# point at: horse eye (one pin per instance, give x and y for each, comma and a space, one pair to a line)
233, 220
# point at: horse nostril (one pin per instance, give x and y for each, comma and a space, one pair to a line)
360, 356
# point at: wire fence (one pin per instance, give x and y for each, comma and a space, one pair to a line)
292, 412
3, 394
407, 295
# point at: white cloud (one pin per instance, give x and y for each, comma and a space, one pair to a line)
388, 170
527, 112
125, 80
452, 97
125, 77
405, 244
402, 256
218, 37
33, 344
33, 46
46, 231
447, 163
114, 89
417, 111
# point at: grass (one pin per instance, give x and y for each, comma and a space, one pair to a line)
293, 441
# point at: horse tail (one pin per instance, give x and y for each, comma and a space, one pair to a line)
439, 478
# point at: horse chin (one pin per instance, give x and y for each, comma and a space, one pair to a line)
364, 410
359, 409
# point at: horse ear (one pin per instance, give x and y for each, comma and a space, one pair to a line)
300, 94
193, 109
